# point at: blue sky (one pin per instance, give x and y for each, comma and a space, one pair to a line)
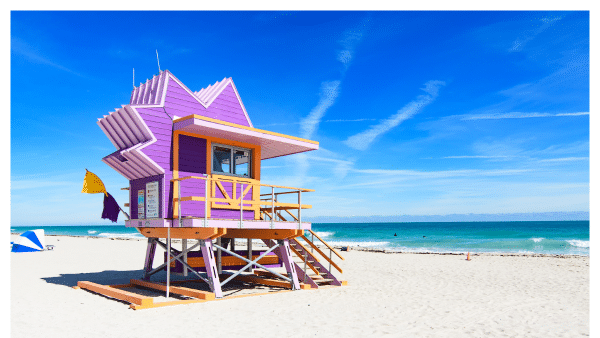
417, 113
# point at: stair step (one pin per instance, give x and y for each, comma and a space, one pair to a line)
323, 280
317, 276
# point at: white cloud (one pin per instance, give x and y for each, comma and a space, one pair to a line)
520, 42
329, 92
31, 53
516, 115
349, 41
566, 159
36, 184
363, 140
443, 173
322, 121
345, 56
477, 156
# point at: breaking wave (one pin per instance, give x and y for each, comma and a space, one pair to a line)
113, 235
324, 234
579, 243
360, 244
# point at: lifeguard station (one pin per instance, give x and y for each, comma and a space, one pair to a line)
193, 161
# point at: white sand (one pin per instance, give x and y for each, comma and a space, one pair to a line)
409, 295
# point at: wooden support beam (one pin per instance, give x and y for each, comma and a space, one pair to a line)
161, 304
121, 286
116, 293
189, 233
198, 262
263, 233
175, 289
320, 252
267, 281
220, 233
268, 274
305, 249
295, 218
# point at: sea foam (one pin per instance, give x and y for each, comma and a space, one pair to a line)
324, 234
538, 239
360, 244
92, 231
579, 243
113, 235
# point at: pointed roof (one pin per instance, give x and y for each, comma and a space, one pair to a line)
154, 90
131, 132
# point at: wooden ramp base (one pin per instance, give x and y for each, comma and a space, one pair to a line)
139, 302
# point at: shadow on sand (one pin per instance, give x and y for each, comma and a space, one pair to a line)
105, 277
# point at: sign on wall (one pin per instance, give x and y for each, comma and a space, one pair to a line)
152, 199
140, 204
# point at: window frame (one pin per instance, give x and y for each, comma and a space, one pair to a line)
232, 150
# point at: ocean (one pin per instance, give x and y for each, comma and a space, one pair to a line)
558, 237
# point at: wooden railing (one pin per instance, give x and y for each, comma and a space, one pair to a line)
264, 208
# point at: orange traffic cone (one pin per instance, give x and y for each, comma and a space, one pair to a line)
468, 256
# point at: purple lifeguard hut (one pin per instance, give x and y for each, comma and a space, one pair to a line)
193, 162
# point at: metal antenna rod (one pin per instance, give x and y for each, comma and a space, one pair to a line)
133, 78
158, 61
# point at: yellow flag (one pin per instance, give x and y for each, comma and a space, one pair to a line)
92, 184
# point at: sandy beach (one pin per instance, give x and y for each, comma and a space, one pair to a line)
389, 294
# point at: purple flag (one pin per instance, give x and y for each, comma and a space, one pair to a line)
111, 208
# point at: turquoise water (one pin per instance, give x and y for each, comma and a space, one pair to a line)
560, 237
109, 231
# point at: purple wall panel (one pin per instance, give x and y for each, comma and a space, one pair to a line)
192, 161
181, 111
225, 107
158, 152
182, 97
140, 184
192, 187
158, 119
192, 154
231, 214
224, 99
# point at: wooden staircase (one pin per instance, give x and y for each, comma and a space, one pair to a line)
310, 264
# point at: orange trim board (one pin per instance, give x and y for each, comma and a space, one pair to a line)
268, 281
208, 119
176, 290
263, 233
191, 301
189, 233
116, 293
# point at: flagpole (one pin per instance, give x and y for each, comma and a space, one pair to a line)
126, 214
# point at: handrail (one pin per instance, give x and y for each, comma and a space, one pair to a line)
322, 254
236, 181
254, 203
288, 192
327, 245
227, 200
312, 267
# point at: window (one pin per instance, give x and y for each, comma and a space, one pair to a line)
231, 160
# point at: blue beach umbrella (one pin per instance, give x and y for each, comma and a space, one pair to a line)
29, 241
